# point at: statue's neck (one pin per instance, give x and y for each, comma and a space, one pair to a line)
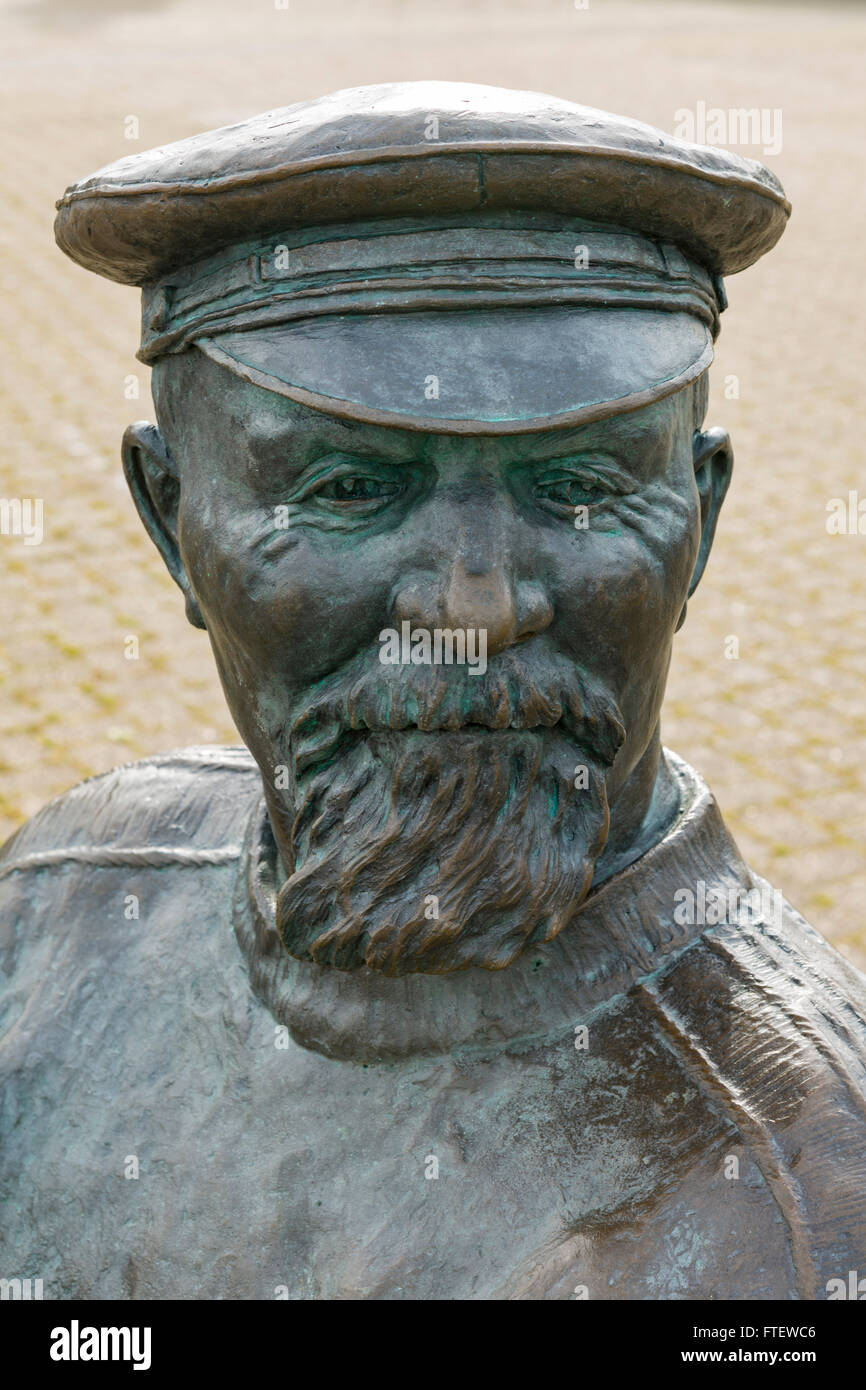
641, 812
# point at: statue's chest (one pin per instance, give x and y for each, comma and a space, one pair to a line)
242, 1170
537, 1175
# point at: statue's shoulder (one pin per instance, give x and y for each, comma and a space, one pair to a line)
130, 868
770, 1023
768, 986
187, 800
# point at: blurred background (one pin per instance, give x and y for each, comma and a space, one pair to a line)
777, 729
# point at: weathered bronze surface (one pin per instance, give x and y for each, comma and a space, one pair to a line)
454, 985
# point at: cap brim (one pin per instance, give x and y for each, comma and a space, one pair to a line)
485, 372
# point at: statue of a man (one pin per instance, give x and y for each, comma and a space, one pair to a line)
457, 987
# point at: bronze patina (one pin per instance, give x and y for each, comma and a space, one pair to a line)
452, 984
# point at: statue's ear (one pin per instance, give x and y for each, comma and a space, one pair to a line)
153, 481
714, 462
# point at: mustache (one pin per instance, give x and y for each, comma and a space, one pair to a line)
522, 689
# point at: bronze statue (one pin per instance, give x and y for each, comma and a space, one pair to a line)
455, 986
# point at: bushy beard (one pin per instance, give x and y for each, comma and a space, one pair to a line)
437, 824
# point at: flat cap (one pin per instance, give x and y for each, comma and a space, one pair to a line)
315, 249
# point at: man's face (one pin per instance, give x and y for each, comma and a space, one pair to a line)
432, 817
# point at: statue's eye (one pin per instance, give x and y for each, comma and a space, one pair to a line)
571, 492
340, 489
357, 487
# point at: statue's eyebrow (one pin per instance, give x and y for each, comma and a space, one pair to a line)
604, 465
603, 436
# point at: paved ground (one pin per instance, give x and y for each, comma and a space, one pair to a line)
779, 731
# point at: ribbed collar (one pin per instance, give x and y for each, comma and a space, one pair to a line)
624, 931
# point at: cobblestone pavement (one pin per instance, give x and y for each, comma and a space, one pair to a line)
778, 729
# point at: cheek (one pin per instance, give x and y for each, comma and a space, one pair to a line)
622, 585
289, 602
217, 541
659, 535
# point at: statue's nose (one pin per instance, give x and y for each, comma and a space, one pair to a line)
481, 601
480, 598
